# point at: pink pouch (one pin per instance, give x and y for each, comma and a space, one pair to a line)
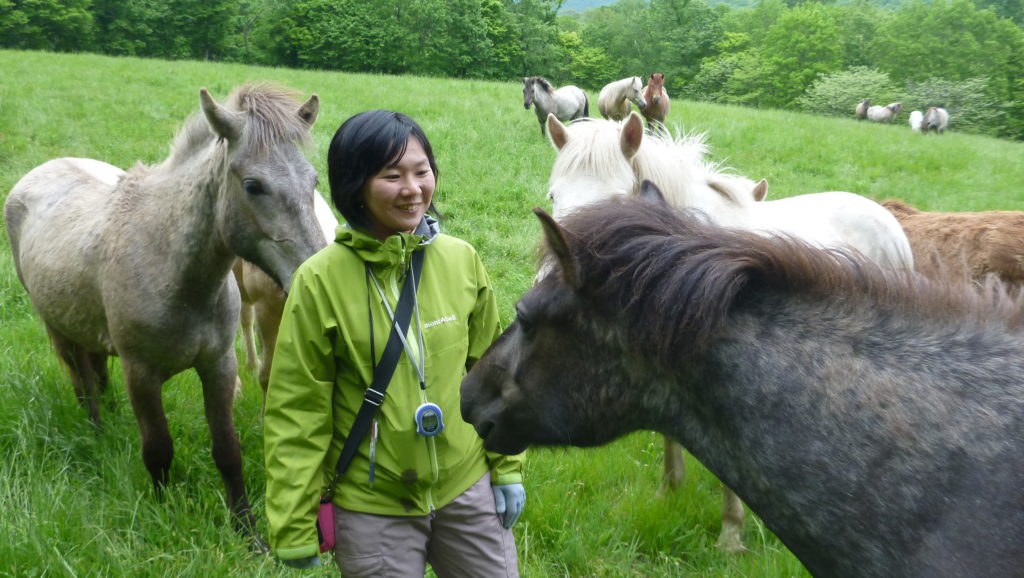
325, 524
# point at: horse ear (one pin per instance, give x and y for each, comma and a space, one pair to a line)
632, 135
224, 123
310, 109
761, 190
555, 238
650, 192
557, 132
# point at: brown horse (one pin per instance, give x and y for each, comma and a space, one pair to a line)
964, 245
871, 418
137, 264
657, 99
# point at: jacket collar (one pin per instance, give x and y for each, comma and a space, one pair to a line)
395, 249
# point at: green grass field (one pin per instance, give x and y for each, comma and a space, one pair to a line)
77, 502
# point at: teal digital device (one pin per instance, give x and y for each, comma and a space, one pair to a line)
429, 420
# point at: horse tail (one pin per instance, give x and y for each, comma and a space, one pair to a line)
586, 106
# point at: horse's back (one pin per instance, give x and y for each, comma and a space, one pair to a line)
55, 216
55, 199
840, 219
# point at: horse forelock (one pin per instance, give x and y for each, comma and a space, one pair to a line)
677, 164
272, 113
592, 149
541, 82
672, 279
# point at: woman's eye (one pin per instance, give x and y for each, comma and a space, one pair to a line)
252, 187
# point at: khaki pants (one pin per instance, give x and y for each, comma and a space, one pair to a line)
464, 538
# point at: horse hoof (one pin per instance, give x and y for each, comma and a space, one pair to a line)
258, 546
730, 542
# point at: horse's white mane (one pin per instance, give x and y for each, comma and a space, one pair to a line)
677, 163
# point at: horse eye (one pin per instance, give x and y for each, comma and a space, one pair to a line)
524, 321
253, 187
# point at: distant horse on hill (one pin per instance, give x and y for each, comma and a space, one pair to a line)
615, 98
885, 113
137, 264
915, 120
862, 109
872, 419
567, 103
935, 119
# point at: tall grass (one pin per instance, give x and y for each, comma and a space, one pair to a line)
76, 501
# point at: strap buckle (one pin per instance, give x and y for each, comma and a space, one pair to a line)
373, 396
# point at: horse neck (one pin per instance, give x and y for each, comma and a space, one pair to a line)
542, 99
186, 203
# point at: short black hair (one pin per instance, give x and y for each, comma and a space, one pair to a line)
363, 145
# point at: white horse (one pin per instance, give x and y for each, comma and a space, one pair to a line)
567, 103
263, 301
884, 113
138, 264
915, 120
601, 158
614, 99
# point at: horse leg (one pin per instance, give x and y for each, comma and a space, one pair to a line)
268, 318
98, 362
218, 397
731, 538
247, 318
674, 468
78, 362
144, 387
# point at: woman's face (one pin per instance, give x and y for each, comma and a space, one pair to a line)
398, 196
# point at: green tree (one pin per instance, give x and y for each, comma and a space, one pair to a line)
444, 38
57, 25
802, 44
590, 66
349, 35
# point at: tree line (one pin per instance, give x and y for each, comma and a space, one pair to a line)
820, 57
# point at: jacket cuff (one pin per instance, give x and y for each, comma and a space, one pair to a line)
504, 479
296, 553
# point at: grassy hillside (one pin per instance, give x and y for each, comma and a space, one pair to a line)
77, 502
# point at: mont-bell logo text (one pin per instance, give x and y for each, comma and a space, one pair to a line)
446, 319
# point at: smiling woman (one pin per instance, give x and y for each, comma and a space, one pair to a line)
421, 489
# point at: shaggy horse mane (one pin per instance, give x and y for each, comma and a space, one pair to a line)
674, 278
543, 82
271, 118
663, 158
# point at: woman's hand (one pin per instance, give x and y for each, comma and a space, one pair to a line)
509, 499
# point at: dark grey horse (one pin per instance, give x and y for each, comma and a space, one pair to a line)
874, 420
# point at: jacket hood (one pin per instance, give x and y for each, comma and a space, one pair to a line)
395, 249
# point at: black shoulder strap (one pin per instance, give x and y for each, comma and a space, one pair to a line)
384, 370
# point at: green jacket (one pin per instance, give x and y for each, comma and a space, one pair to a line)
322, 368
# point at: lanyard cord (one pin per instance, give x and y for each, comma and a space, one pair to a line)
420, 367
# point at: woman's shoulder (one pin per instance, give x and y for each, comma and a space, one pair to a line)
449, 243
